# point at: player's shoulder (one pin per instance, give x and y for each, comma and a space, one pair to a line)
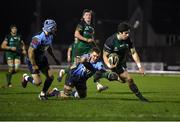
19, 36
81, 24
99, 62
129, 41
87, 55
8, 36
39, 35
110, 40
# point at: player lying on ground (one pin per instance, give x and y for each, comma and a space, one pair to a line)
87, 65
84, 41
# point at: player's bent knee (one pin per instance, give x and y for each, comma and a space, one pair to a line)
37, 82
67, 90
130, 81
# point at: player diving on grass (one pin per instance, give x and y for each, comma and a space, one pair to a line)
87, 65
37, 61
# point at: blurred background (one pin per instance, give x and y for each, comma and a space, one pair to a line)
155, 24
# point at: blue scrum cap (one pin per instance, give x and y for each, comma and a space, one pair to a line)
49, 24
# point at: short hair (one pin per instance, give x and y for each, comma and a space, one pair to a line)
96, 49
123, 26
86, 10
12, 26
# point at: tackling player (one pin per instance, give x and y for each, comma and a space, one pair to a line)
37, 61
84, 41
87, 65
14, 48
120, 43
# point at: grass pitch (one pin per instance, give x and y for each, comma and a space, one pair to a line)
117, 103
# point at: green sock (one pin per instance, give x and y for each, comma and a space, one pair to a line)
66, 70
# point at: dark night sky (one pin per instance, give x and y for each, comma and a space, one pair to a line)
65, 12
17, 12
165, 14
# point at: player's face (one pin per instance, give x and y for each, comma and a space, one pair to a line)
54, 30
87, 17
94, 56
124, 35
13, 30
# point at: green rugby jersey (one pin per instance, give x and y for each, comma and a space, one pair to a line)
86, 31
120, 47
14, 41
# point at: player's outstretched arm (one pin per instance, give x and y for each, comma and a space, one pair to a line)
137, 60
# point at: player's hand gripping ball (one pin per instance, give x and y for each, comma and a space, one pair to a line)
113, 59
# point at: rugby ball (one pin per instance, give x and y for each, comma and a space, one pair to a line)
113, 59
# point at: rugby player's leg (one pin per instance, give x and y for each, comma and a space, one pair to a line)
97, 76
67, 91
35, 79
54, 92
17, 63
81, 88
133, 87
9, 74
48, 81
68, 86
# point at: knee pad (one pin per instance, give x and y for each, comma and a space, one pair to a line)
38, 84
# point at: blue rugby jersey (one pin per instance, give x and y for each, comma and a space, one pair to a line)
82, 71
41, 43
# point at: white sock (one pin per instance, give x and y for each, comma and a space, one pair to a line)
76, 95
99, 85
26, 78
42, 93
